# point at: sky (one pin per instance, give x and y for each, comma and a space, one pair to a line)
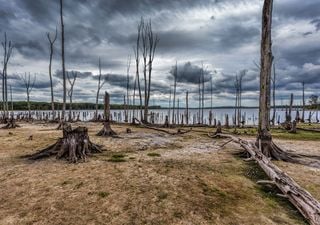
223, 36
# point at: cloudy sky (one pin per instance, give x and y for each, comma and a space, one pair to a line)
223, 35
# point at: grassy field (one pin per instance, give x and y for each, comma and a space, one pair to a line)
145, 178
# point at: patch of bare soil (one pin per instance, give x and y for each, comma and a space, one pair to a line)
144, 177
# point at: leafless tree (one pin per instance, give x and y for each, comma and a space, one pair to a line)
51, 43
128, 85
149, 45
63, 64
175, 77
7, 52
137, 57
273, 79
100, 85
303, 103
29, 83
71, 79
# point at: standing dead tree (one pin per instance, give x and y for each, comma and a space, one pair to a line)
137, 57
100, 85
149, 45
106, 130
29, 83
7, 52
175, 77
126, 110
303, 103
51, 40
72, 80
63, 65
273, 79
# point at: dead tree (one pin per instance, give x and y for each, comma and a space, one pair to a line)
29, 84
100, 85
175, 77
106, 130
71, 79
126, 112
137, 56
264, 138
187, 108
51, 43
303, 103
7, 52
74, 146
149, 45
274, 94
63, 65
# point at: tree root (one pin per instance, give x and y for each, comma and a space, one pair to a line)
75, 145
107, 130
11, 124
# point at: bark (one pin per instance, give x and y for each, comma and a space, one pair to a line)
187, 108
274, 95
51, 43
106, 130
303, 103
74, 146
175, 75
100, 85
63, 63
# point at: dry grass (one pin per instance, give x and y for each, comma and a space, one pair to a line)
192, 181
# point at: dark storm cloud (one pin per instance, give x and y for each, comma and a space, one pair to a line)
81, 75
188, 73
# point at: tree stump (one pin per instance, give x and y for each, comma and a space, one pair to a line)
219, 128
11, 124
293, 127
74, 146
106, 130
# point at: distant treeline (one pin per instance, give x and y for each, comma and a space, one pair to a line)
22, 105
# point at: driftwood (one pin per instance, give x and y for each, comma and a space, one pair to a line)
308, 206
75, 145
179, 131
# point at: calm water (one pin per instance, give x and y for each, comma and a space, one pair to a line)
249, 115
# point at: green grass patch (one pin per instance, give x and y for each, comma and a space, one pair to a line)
154, 154
103, 194
117, 158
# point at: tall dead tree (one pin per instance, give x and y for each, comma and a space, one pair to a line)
274, 94
51, 45
149, 45
7, 52
137, 56
126, 111
63, 64
72, 80
187, 108
303, 103
175, 77
100, 85
29, 83
264, 138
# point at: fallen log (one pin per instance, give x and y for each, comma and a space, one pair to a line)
307, 205
162, 130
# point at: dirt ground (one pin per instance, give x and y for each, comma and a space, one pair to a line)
145, 177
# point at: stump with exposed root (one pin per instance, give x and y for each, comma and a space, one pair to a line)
74, 146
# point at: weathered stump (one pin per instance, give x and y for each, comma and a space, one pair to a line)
106, 130
11, 124
74, 146
293, 127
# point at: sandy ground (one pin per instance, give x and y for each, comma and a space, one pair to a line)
162, 179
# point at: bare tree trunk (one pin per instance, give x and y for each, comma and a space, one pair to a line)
264, 136
70, 91
51, 42
174, 92
137, 56
274, 94
106, 130
187, 108
100, 85
63, 64
303, 103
